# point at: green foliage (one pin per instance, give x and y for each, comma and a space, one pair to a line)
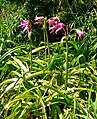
40, 92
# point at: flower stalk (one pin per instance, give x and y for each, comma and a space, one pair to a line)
48, 45
26, 26
67, 37
44, 37
46, 41
29, 36
66, 81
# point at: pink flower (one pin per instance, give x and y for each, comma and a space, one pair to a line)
53, 21
80, 33
38, 20
56, 28
26, 25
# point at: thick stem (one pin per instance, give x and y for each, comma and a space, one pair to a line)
61, 74
48, 45
66, 81
45, 44
46, 38
29, 35
43, 109
30, 56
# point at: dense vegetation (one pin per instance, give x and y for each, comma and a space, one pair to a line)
47, 75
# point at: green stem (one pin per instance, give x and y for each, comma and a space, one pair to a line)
61, 74
66, 81
45, 43
29, 35
43, 109
48, 45
89, 101
30, 56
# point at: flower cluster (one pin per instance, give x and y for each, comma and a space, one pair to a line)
54, 25
25, 24
38, 20
80, 33
53, 21
56, 28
